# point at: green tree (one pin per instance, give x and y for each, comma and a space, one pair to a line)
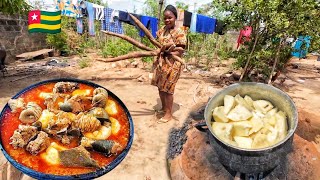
14, 6
151, 8
182, 5
272, 22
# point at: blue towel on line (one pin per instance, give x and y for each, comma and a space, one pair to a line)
205, 24
151, 22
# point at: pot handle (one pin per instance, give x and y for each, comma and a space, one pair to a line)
202, 126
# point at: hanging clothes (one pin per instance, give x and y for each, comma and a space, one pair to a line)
124, 17
150, 23
220, 26
99, 15
110, 23
91, 16
205, 24
301, 47
187, 18
244, 35
83, 9
68, 7
79, 22
193, 24
180, 18
114, 16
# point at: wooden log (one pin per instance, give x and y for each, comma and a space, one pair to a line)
136, 54
275, 63
130, 40
146, 31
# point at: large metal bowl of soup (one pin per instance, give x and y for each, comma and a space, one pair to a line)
65, 129
255, 160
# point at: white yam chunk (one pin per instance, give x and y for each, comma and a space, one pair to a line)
257, 124
222, 130
101, 134
229, 103
281, 124
115, 125
242, 128
249, 100
243, 142
219, 115
260, 141
241, 101
111, 107
46, 117
239, 113
263, 106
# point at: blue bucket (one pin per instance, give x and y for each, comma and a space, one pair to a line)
91, 175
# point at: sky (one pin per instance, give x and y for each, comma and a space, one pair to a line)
129, 5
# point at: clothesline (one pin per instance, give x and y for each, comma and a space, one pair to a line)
111, 19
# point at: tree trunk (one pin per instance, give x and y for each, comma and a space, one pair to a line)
275, 61
249, 58
159, 13
215, 55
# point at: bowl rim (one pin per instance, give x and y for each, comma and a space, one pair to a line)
260, 150
98, 172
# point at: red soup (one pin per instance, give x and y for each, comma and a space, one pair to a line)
11, 122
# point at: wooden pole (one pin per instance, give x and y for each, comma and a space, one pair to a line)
249, 58
275, 61
159, 13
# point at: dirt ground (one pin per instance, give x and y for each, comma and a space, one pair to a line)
129, 81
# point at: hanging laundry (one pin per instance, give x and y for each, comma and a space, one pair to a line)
205, 24
83, 9
110, 23
68, 7
79, 23
114, 16
301, 47
150, 23
45, 22
99, 12
91, 17
244, 35
187, 18
124, 17
193, 24
220, 27
180, 18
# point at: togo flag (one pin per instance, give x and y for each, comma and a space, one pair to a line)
45, 22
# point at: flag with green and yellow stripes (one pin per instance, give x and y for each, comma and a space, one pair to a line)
45, 22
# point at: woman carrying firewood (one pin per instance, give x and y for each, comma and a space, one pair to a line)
166, 69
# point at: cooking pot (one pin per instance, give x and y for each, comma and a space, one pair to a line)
251, 161
99, 172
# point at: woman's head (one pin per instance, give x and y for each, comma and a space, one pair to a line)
170, 16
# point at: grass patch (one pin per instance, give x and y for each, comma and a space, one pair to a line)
83, 63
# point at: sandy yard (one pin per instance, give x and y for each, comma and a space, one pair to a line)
147, 156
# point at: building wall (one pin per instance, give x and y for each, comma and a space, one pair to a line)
15, 39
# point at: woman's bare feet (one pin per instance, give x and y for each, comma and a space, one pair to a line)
167, 117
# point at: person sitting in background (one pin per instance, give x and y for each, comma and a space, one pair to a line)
166, 69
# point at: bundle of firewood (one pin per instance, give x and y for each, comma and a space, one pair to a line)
137, 54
